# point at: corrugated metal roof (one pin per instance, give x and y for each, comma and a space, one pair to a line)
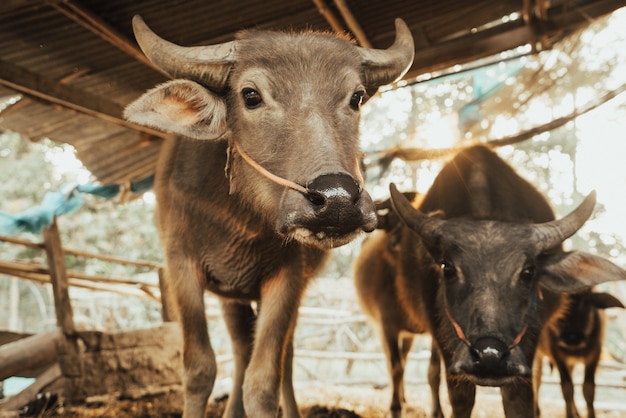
77, 64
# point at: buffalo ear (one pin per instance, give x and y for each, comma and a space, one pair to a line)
181, 107
387, 218
576, 271
603, 300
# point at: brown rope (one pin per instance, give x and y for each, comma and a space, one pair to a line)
273, 177
461, 335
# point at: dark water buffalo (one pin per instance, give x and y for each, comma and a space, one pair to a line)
482, 275
576, 337
279, 112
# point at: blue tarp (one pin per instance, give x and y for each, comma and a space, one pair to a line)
486, 82
58, 203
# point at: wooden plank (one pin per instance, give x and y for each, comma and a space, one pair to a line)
329, 15
7, 337
58, 274
123, 362
353, 23
30, 353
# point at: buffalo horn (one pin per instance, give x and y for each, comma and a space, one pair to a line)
384, 66
424, 225
207, 65
551, 234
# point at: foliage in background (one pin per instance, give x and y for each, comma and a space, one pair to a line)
100, 226
565, 163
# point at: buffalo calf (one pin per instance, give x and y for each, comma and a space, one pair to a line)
576, 337
260, 178
375, 273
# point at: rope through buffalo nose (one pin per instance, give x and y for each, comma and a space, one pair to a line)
314, 196
461, 335
273, 177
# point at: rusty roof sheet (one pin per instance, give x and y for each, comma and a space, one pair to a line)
76, 65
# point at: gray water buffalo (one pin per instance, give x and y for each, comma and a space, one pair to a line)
576, 337
479, 267
278, 113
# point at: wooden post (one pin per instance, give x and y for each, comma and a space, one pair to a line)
58, 275
166, 313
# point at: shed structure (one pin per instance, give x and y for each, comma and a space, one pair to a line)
71, 66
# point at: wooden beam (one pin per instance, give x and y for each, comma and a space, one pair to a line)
25, 81
166, 306
330, 16
58, 274
353, 24
140, 291
100, 28
12, 267
30, 353
68, 251
505, 37
19, 241
564, 17
467, 48
417, 154
113, 259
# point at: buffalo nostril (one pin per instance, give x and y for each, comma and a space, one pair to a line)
316, 198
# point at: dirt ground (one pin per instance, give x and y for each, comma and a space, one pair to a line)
321, 401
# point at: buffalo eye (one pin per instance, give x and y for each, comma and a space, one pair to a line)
251, 98
528, 273
448, 269
357, 99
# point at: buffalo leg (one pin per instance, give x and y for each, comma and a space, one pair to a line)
567, 387
537, 376
240, 320
396, 353
434, 381
518, 400
589, 384
288, 400
199, 365
462, 395
280, 299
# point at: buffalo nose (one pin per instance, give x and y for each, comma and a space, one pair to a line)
333, 189
340, 205
489, 352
